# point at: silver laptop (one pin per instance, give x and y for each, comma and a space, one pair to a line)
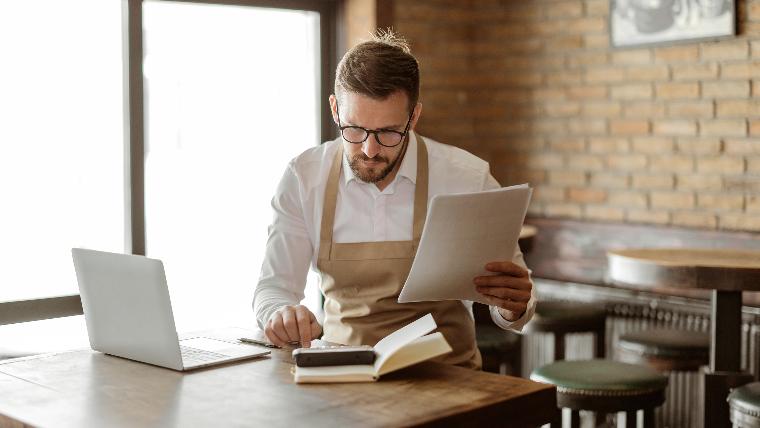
128, 314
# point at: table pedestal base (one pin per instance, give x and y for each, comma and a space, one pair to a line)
714, 388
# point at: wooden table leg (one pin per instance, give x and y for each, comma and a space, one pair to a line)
725, 357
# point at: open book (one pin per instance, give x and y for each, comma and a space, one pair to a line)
402, 348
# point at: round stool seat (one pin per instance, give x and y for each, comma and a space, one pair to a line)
603, 385
666, 349
744, 402
566, 317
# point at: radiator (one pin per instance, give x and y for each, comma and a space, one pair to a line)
633, 311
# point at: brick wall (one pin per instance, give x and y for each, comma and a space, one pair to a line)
663, 135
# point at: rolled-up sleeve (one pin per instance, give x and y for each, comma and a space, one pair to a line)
288, 252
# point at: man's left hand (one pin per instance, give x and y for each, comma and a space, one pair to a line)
510, 289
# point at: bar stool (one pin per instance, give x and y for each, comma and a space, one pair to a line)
561, 318
665, 349
677, 354
744, 405
500, 349
604, 386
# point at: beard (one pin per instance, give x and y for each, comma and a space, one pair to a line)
371, 174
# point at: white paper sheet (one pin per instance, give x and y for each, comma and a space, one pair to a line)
462, 233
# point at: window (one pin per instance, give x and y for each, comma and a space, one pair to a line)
222, 87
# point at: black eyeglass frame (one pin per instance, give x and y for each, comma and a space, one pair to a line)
374, 131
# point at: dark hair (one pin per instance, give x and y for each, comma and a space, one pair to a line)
379, 67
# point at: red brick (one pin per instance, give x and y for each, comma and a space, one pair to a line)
696, 71
653, 181
567, 178
675, 163
601, 109
562, 109
721, 165
604, 213
742, 146
670, 91
594, 41
691, 109
647, 73
724, 50
738, 108
699, 146
628, 162
587, 59
628, 199
585, 25
567, 144
549, 194
587, 92
629, 127
752, 203
675, 127
726, 89
632, 56
608, 145
597, 7
610, 180
652, 145
585, 162
695, 219
634, 91
564, 9
748, 222
720, 202
684, 53
586, 195
604, 74
644, 109
648, 216
563, 210
699, 182
740, 70
723, 127
673, 200
587, 126
754, 127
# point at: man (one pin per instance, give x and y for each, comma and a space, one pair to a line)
354, 208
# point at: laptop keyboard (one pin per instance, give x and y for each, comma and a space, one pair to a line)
195, 355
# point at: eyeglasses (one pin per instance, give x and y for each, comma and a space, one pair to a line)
384, 137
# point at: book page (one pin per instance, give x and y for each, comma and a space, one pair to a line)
391, 343
462, 233
421, 349
336, 374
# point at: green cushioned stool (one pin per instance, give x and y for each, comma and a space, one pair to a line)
605, 386
745, 406
561, 318
665, 349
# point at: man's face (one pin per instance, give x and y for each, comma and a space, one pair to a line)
370, 161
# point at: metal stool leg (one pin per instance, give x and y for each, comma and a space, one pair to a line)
575, 418
600, 347
649, 417
559, 346
630, 419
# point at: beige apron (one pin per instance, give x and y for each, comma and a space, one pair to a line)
361, 281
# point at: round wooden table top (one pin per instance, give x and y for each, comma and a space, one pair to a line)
717, 269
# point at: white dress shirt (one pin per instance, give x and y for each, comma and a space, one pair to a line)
363, 214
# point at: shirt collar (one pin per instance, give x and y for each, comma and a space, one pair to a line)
408, 168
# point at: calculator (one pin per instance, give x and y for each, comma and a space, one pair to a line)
333, 356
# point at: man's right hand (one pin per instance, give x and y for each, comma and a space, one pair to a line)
292, 324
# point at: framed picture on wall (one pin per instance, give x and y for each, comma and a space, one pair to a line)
648, 22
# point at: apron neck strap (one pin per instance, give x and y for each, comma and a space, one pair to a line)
331, 198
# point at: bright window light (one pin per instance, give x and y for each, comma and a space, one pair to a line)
231, 96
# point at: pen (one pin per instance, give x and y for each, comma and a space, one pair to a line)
262, 343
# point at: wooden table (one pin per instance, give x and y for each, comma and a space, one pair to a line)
88, 389
727, 273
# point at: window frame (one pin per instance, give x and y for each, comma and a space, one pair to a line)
134, 133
